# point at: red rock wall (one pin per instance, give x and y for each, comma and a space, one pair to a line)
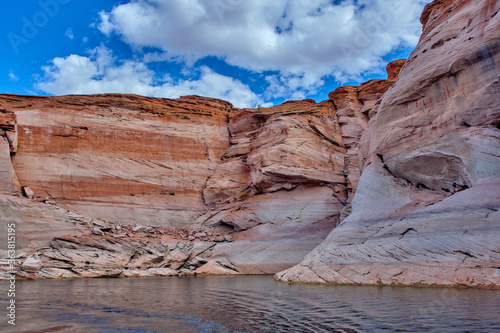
426, 209
120, 158
267, 185
256, 189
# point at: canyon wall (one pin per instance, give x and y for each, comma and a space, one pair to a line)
405, 171
127, 159
207, 188
427, 207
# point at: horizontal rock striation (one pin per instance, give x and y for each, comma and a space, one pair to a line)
265, 185
426, 210
120, 158
130, 160
280, 186
406, 170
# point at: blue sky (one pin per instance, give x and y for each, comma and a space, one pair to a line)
250, 53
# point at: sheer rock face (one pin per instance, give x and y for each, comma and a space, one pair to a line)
120, 158
426, 210
136, 186
265, 186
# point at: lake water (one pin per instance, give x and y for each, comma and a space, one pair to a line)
245, 304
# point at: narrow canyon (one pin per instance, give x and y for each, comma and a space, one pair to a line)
393, 182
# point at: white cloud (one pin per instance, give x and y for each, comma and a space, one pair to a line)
105, 27
156, 57
69, 33
304, 41
13, 77
100, 72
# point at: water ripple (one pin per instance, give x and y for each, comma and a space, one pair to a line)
246, 305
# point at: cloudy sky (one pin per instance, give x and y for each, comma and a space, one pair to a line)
249, 52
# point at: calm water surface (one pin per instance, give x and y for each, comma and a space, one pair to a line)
245, 304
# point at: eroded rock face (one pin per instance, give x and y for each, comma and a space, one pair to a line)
297, 143
354, 107
9, 183
426, 210
280, 186
121, 185
35, 224
120, 158
394, 68
264, 186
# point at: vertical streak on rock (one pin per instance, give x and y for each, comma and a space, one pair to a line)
9, 183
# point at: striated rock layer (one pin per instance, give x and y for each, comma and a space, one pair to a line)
263, 187
406, 169
427, 207
260, 187
120, 158
280, 186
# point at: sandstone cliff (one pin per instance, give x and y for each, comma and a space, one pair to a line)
120, 158
121, 185
406, 171
426, 210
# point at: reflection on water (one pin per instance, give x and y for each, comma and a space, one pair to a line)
245, 304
